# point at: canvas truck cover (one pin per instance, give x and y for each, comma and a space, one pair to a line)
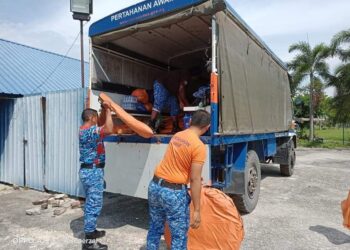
254, 88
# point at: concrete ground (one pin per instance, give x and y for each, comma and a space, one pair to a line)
300, 212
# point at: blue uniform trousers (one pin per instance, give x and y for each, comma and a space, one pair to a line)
93, 183
169, 205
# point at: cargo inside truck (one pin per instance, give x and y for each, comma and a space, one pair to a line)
131, 59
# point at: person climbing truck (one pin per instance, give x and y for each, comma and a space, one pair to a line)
168, 91
92, 158
168, 198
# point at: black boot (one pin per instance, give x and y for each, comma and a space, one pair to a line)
95, 234
94, 245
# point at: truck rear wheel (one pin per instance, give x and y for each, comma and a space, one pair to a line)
288, 169
247, 202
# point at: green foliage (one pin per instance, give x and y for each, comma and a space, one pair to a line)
319, 144
301, 105
325, 108
322, 104
331, 138
334, 134
338, 40
309, 64
302, 100
340, 46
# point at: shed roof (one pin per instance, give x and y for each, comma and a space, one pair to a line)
25, 70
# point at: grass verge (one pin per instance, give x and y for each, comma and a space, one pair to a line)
331, 138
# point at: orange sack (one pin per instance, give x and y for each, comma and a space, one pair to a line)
221, 225
122, 129
345, 206
148, 107
141, 95
135, 125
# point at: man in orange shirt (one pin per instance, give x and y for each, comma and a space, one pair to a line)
168, 198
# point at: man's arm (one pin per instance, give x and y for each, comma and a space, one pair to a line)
182, 95
102, 117
105, 119
196, 187
108, 126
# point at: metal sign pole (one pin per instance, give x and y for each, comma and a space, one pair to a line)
82, 53
81, 11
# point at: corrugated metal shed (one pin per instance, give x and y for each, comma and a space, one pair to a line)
63, 112
21, 142
39, 146
26, 71
33, 136
11, 141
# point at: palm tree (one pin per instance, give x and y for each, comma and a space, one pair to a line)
341, 78
309, 64
338, 40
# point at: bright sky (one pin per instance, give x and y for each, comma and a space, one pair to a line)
49, 25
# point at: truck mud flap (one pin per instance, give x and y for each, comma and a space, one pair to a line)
281, 156
238, 185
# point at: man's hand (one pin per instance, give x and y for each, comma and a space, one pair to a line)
196, 220
105, 118
106, 105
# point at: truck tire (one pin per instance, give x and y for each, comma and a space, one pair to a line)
288, 170
247, 202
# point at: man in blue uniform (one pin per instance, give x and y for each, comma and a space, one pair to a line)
92, 158
168, 91
168, 198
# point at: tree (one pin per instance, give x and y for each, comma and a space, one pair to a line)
309, 64
340, 39
340, 46
322, 105
300, 105
324, 109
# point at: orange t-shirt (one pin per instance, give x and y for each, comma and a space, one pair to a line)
184, 149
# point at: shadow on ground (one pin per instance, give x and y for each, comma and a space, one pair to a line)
117, 211
334, 236
120, 210
268, 170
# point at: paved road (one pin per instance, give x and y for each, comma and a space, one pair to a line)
300, 212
